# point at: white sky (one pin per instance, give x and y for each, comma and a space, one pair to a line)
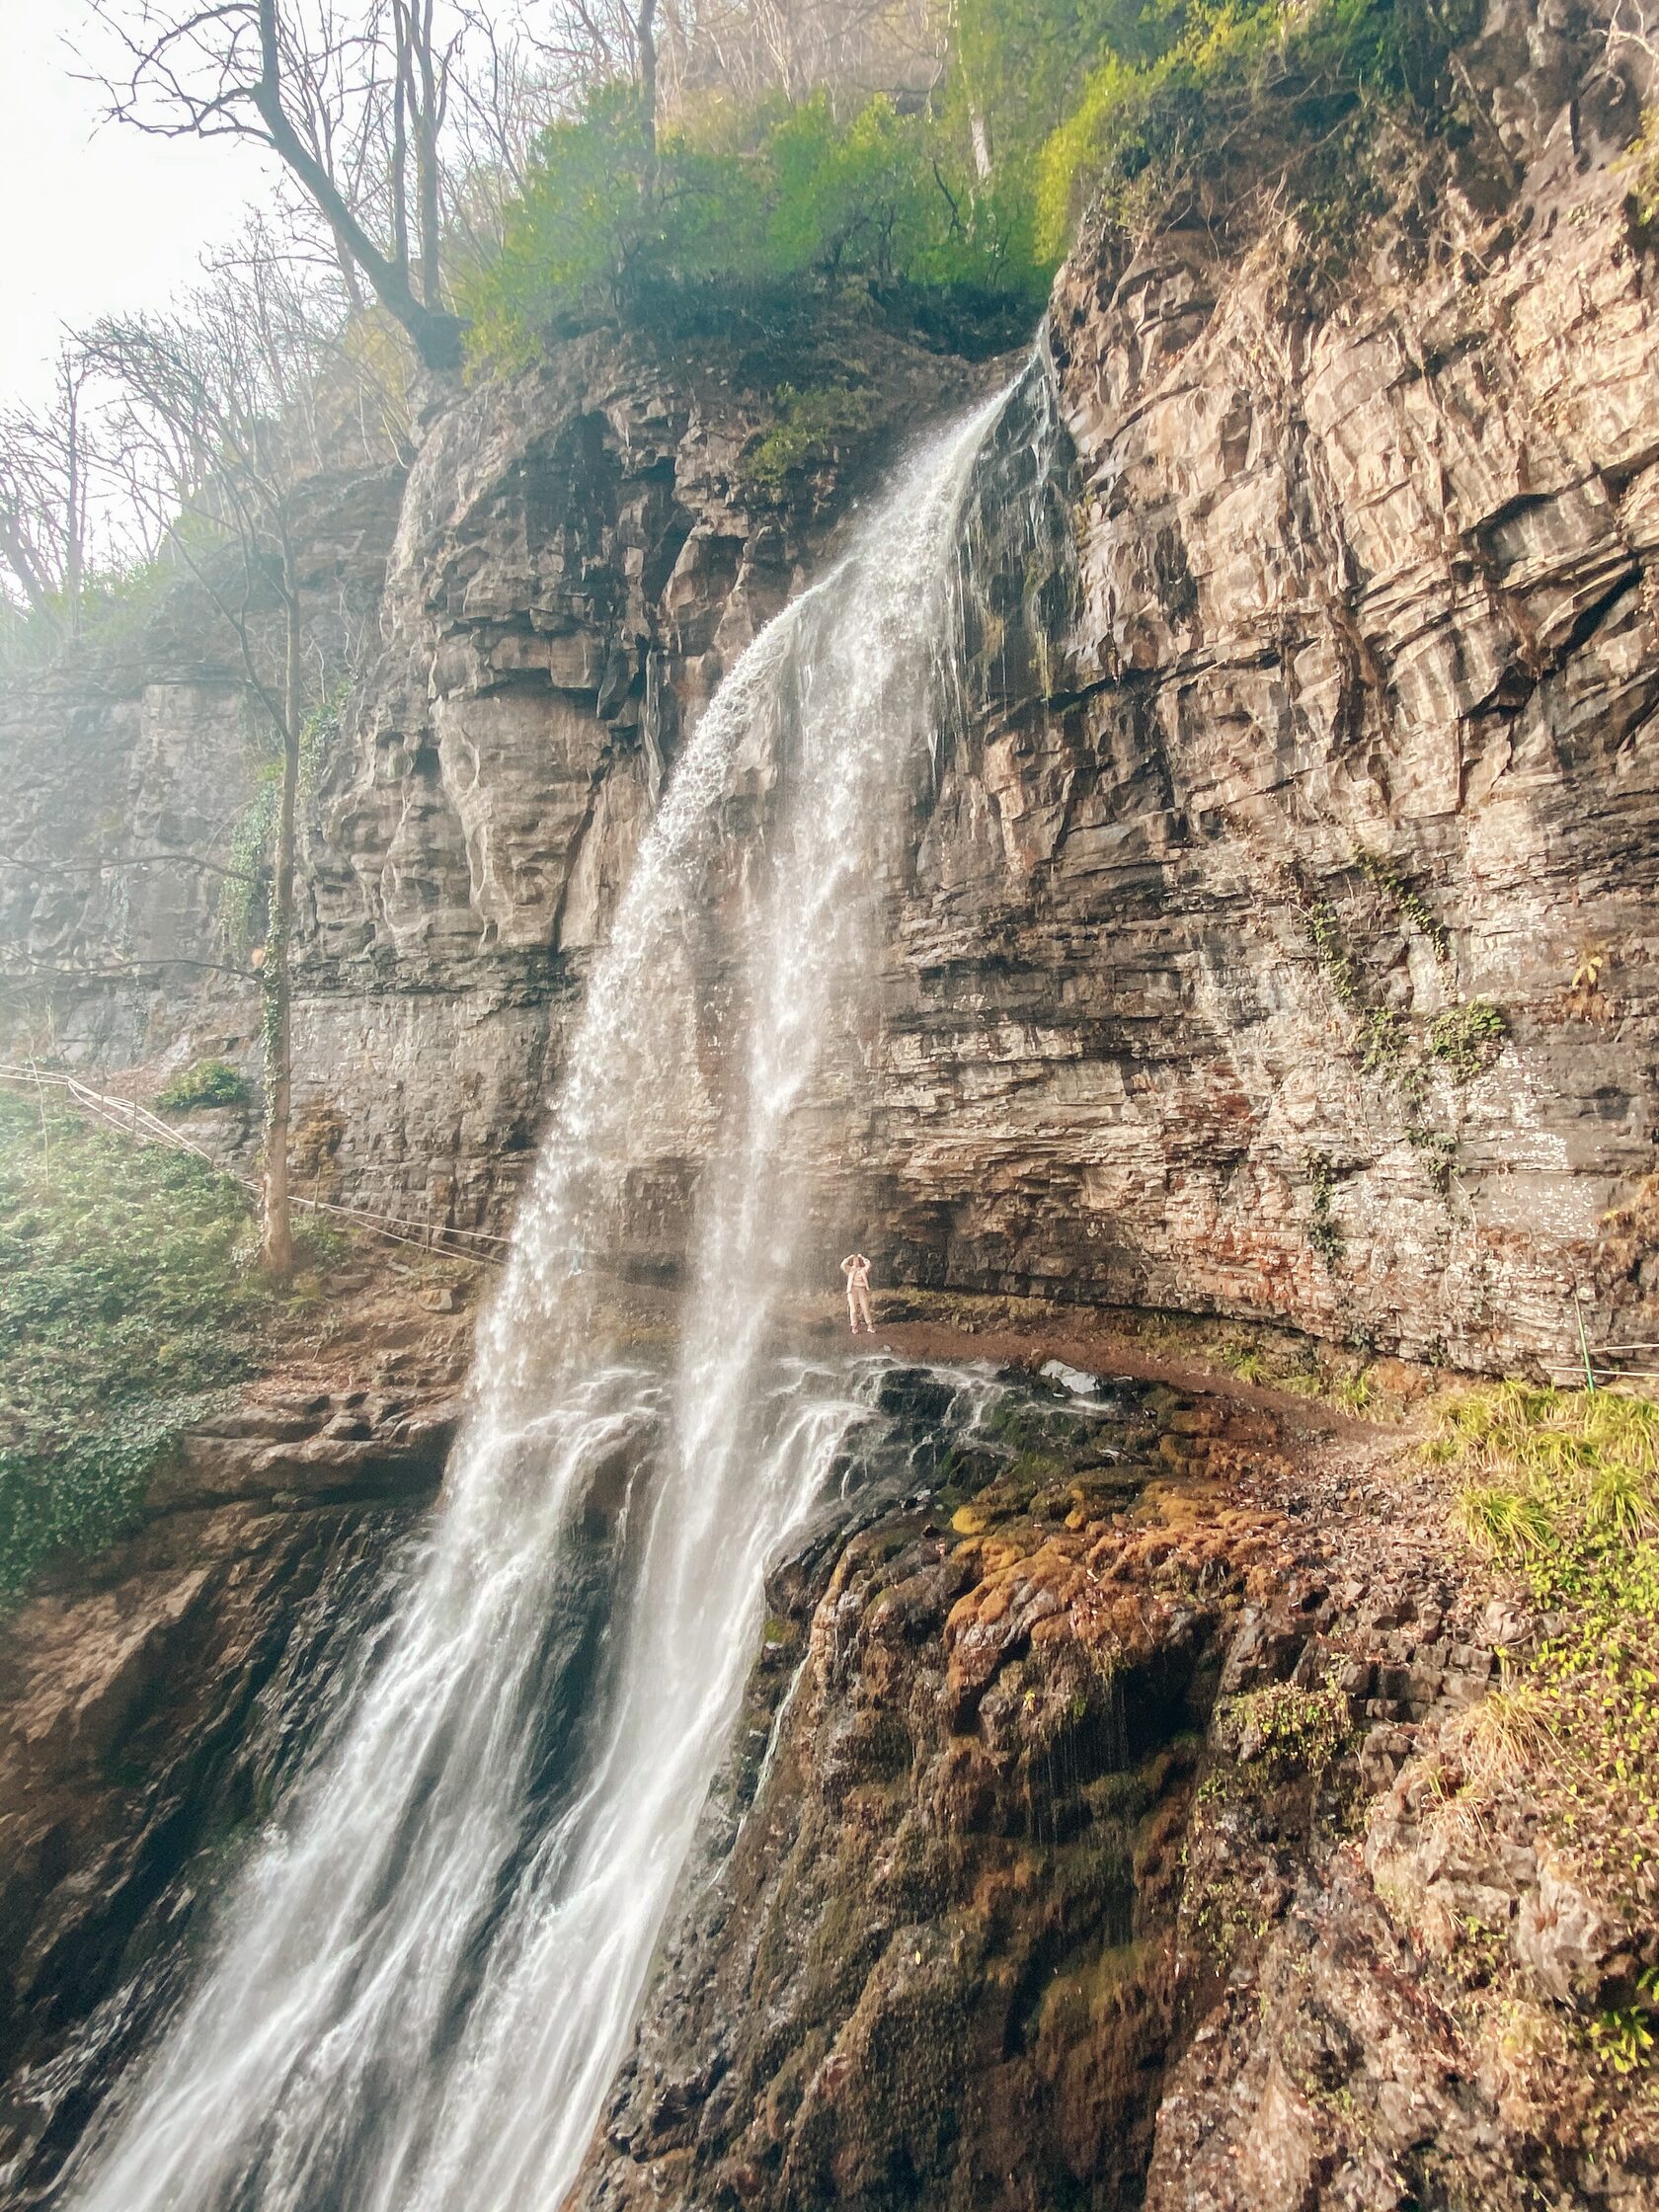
93, 218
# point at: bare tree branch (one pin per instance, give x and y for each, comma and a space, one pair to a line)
291, 76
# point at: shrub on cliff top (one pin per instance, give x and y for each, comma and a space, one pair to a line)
1290, 90
205, 1083
122, 1310
746, 206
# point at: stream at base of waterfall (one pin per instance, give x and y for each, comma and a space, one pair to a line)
425, 1976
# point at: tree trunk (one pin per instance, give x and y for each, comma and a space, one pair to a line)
428, 177
645, 49
277, 1234
74, 500
979, 132
439, 338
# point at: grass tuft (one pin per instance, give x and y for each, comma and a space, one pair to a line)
1504, 1523
1564, 1487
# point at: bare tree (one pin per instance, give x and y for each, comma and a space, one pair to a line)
353, 105
755, 47
206, 435
45, 469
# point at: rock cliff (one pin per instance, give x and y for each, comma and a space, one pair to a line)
1090, 1841
1273, 937
153, 1705
1276, 936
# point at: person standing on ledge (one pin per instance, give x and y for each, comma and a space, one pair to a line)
857, 1267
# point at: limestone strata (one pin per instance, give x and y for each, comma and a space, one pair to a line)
1351, 731
1277, 931
581, 557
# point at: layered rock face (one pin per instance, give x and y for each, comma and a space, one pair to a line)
582, 558
1276, 936
1285, 942
126, 771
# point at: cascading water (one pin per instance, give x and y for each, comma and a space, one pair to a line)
427, 1975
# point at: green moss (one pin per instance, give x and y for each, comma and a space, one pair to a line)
810, 424
208, 1082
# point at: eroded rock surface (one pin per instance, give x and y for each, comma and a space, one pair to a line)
1277, 933
152, 1705
1098, 1846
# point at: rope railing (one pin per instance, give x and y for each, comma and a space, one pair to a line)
1598, 1364
128, 1117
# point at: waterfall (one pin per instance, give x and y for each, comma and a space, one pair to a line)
425, 1974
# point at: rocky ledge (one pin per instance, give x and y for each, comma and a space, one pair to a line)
1077, 1844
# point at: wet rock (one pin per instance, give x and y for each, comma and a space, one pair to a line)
151, 1703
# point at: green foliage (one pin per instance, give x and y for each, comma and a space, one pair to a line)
113, 607
752, 205
122, 1311
1017, 63
1410, 904
1248, 1361
1643, 163
1324, 1232
208, 1083
1622, 2040
1566, 1487
1380, 1038
810, 425
1293, 1729
1331, 948
1436, 1149
1466, 1039
245, 893
1292, 88
246, 887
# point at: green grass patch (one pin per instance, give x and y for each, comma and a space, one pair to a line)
1564, 1487
125, 1309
